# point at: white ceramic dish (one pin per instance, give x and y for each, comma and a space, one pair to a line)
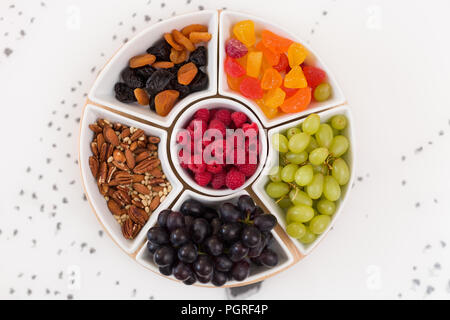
272, 160
227, 21
103, 90
285, 257
183, 121
91, 114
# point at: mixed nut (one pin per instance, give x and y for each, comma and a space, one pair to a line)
128, 171
171, 69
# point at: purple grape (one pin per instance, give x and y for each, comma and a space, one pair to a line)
203, 267
265, 222
164, 256
219, 278
166, 271
238, 251
175, 220
152, 247
222, 263
213, 246
199, 230
181, 271
206, 279
268, 258
191, 280
158, 235
240, 270
179, 237
188, 253
162, 218
235, 49
251, 236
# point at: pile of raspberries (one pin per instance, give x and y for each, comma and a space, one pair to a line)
221, 176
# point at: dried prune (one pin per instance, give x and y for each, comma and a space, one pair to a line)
152, 103
158, 81
161, 50
199, 56
145, 72
200, 82
132, 79
124, 93
183, 90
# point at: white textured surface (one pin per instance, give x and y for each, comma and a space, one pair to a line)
391, 60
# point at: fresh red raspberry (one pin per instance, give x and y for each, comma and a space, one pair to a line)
197, 168
202, 114
214, 168
247, 169
218, 180
184, 164
203, 123
184, 136
219, 125
247, 126
239, 118
223, 115
234, 179
203, 178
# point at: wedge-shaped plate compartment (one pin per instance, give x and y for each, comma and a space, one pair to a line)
227, 20
91, 114
272, 160
183, 121
103, 90
256, 274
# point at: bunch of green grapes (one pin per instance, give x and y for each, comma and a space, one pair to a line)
308, 181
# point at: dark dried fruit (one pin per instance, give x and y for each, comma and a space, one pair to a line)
199, 56
158, 81
183, 90
124, 93
145, 72
200, 82
161, 50
132, 79
152, 103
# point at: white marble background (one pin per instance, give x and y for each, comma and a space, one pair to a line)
391, 59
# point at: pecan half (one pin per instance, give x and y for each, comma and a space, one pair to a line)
137, 215
146, 165
103, 188
100, 140
125, 133
141, 188
138, 177
120, 165
110, 174
156, 201
103, 151
94, 148
121, 197
95, 128
130, 229
142, 156
118, 156
110, 136
93, 164
133, 146
114, 207
102, 173
129, 156
155, 181
137, 202
137, 134
121, 178
157, 173
152, 147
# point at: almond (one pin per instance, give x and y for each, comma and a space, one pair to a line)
110, 136
129, 156
154, 140
141, 188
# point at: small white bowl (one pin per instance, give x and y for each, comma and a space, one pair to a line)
183, 121
260, 184
103, 90
90, 115
285, 258
227, 21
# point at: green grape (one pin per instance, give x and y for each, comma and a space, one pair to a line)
312, 145
296, 230
341, 172
292, 131
288, 172
323, 169
298, 197
308, 238
322, 92
277, 189
325, 206
339, 146
324, 136
319, 224
311, 124
285, 203
297, 158
318, 156
300, 213
299, 142
275, 174
339, 122
304, 175
335, 132
331, 189
315, 188
280, 143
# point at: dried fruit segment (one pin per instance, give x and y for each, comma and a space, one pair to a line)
274, 98
298, 102
271, 57
234, 83
163, 65
142, 60
187, 73
251, 88
275, 42
296, 54
171, 41
178, 56
181, 39
165, 100
233, 68
271, 79
197, 37
186, 31
141, 96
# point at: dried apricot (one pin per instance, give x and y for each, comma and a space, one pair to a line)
181, 39
178, 56
197, 37
163, 65
165, 100
142, 60
141, 96
186, 31
187, 73
172, 42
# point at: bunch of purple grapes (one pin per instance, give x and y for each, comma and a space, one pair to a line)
206, 245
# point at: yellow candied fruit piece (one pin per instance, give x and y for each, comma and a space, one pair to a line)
296, 54
274, 98
245, 32
254, 61
295, 78
269, 112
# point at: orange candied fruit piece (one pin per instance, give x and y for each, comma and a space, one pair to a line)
269, 112
271, 57
234, 83
274, 98
274, 42
295, 78
271, 79
298, 102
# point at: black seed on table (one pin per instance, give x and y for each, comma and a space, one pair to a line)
147, 18
69, 297
64, 200
8, 52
